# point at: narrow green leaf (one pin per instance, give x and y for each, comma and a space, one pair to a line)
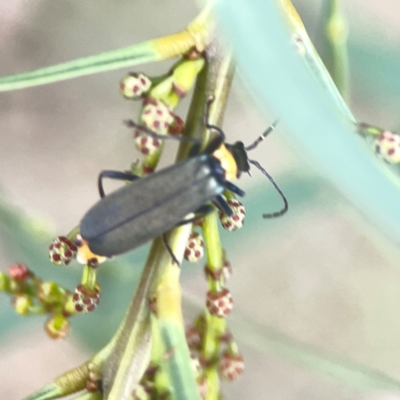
316, 128
125, 57
90, 396
51, 391
196, 35
178, 362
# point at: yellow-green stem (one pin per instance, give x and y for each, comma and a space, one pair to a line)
215, 326
89, 277
334, 51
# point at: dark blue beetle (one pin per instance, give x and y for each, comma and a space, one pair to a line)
150, 206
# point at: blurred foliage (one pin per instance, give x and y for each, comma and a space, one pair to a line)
26, 240
319, 127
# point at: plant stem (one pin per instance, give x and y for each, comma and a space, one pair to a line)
126, 364
215, 326
333, 45
214, 80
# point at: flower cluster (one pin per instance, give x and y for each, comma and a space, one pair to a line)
30, 295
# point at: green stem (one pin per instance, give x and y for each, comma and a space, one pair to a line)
334, 45
214, 80
213, 245
215, 326
176, 356
89, 277
187, 71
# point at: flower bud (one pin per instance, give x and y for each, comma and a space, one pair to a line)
194, 248
157, 116
51, 293
134, 85
22, 304
202, 384
231, 365
387, 145
4, 282
146, 144
219, 303
57, 327
62, 251
86, 300
236, 221
19, 272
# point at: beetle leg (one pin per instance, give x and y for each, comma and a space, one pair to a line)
214, 144
222, 205
234, 189
123, 176
195, 149
171, 253
200, 213
207, 121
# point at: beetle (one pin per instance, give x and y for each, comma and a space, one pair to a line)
148, 207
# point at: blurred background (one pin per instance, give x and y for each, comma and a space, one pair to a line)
321, 275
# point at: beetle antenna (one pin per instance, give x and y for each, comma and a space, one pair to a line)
131, 124
270, 129
207, 119
286, 204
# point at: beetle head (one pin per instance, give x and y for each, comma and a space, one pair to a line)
239, 153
